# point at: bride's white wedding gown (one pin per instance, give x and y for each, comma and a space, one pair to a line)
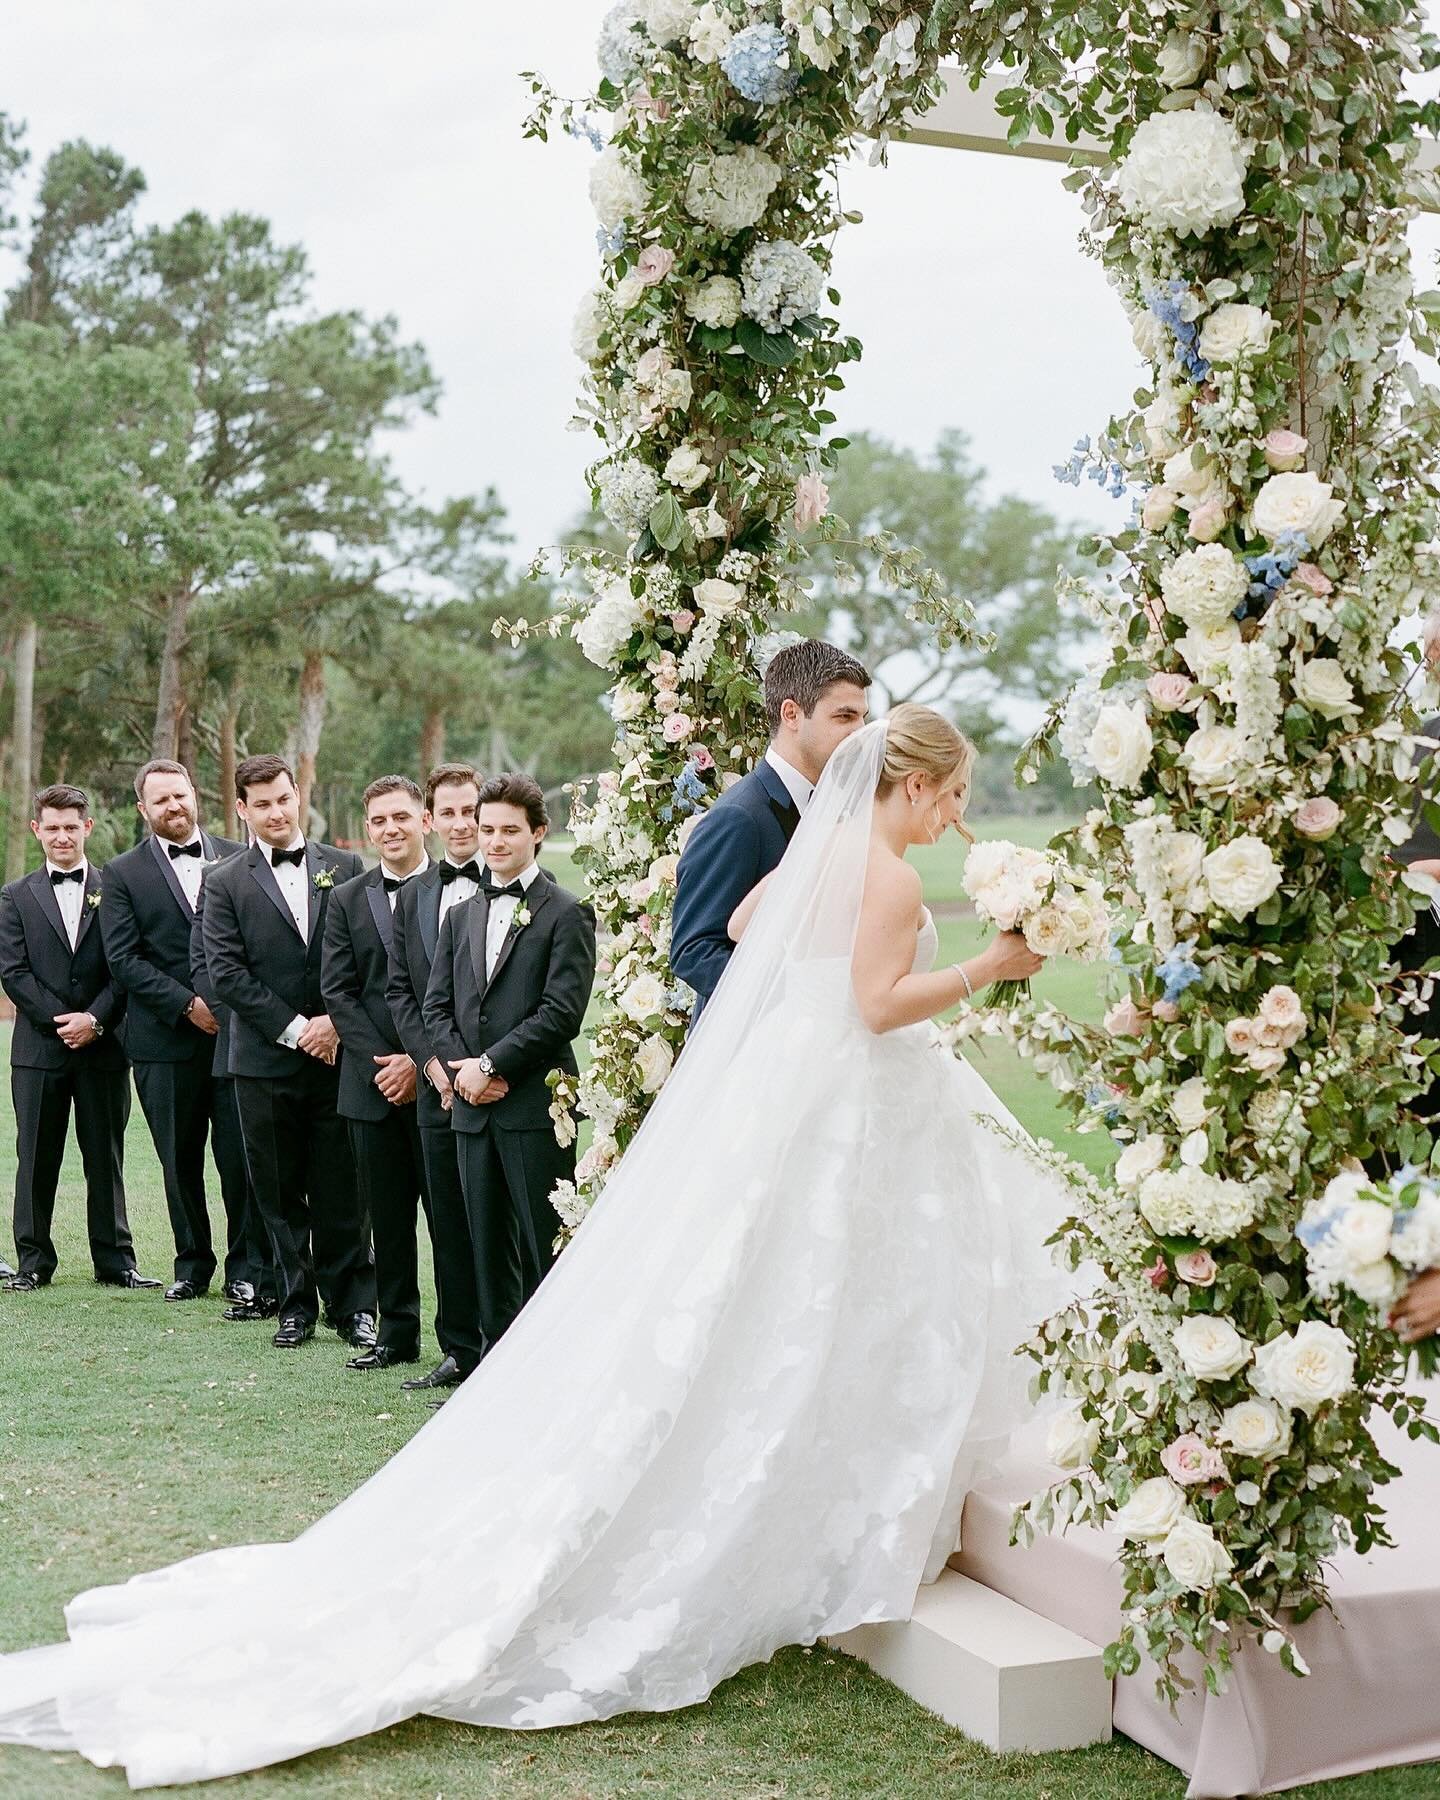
742, 1412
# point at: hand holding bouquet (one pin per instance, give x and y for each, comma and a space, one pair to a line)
1035, 892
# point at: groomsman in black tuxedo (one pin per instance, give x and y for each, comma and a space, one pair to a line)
264, 917
377, 1076
511, 980
66, 1049
452, 799
145, 916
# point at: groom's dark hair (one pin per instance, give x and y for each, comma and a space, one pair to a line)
255, 771
517, 790
802, 672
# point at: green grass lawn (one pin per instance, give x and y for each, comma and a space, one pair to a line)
134, 1433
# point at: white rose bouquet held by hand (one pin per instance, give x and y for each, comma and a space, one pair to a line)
1035, 892
1366, 1241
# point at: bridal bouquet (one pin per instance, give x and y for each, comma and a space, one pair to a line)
1370, 1238
1037, 893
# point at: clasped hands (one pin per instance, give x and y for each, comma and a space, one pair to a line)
319, 1039
472, 1084
75, 1029
395, 1077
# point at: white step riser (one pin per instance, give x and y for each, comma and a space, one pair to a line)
999, 1673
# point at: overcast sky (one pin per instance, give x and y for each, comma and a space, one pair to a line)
386, 139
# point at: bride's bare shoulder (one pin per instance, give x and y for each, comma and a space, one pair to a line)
891, 884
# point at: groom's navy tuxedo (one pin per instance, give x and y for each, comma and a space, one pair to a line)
146, 920
268, 973
737, 844
525, 1015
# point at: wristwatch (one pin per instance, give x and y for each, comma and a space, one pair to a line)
486, 1067
95, 1025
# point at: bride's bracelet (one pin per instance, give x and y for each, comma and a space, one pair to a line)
969, 990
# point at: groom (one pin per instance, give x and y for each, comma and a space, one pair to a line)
814, 699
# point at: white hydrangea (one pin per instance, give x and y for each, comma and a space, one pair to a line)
617, 188
667, 21
603, 632
1204, 586
617, 50
715, 302
1184, 172
780, 284
710, 33
628, 490
730, 192
1186, 1202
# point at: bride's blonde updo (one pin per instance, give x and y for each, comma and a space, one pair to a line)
920, 740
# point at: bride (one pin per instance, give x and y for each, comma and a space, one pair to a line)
742, 1412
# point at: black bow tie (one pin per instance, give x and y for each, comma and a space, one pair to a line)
59, 875
449, 872
179, 850
294, 857
392, 883
493, 892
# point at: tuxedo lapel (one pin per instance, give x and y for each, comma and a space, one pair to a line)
538, 894
162, 856
264, 875
427, 912
479, 925
380, 910
50, 906
88, 907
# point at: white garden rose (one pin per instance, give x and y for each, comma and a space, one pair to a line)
1204, 586
1297, 502
629, 291
1072, 1439
609, 625
643, 998
1214, 755
627, 703
1255, 1428
655, 1059
1181, 61
1190, 1104
1047, 932
1321, 685
1210, 1347
1306, 1368
1194, 1555
686, 469
591, 317
1184, 172
1207, 652
1121, 744
1376, 1283
1138, 1160
1150, 337
1360, 1233
1241, 875
718, 598
1152, 1511
1194, 481
617, 188
1179, 860
716, 301
1233, 331
1164, 431
731, 192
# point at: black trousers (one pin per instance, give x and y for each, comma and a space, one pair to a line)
304, 1179
251, 1259
457, 1310
43, 1099
184, 1105
507, 1177
390, 1180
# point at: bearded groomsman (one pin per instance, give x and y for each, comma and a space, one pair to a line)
145, 916
511, 980
377, 1076
452, 799
65, 1051
264, 918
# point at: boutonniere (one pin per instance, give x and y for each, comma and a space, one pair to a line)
324, 878
93, 900
520, 918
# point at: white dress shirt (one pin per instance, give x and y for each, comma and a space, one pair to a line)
70, 898
188, 869
502, 913
393, 894
796, 786
453, 892
291, 879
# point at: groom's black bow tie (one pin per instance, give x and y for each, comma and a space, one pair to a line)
493, 891
59, 875
294, 857
392, 883
449, 872
195, 849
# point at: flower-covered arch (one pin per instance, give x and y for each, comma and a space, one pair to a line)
1245, 720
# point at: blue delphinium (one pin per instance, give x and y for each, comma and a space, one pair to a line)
1167, 304
1271, 569
581, 125
758, 64
1101, 467
1178, 970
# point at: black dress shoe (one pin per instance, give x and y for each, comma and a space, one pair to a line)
183, 1290
244, 1311
25, 1284
293, 1333
380, 1357
132, 1278
238, 1291
5, 1270
358, 1330
446, 1374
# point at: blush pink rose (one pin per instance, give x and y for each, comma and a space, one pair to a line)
1285, 450
1190, 1460
1125, 1019
1318, 818
1240, 1037
1198, 1267
652, 364
667, 701
702, 759
654, 263
1318, 582
1158, 510
683, 621
643, 101
677, 727
608, 783
1207, 522
812, 501
1168, 692
1166, 1011
1158, 1274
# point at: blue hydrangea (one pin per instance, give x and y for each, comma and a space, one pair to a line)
610, 243
1167, 304
617, 48
758, 64
1179, 970
1271, 569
